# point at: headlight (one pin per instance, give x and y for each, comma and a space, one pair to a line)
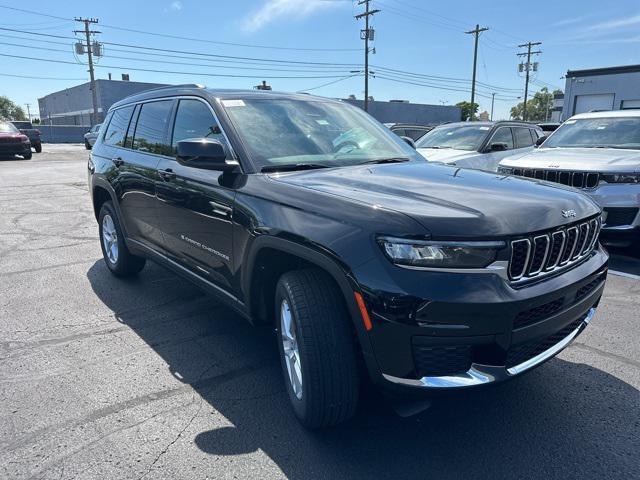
434, 254
621, 177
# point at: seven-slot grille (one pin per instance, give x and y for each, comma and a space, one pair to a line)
573, 179
548, 252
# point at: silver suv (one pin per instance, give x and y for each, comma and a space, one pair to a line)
598, 153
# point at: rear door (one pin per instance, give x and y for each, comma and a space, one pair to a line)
136, 161
195, 205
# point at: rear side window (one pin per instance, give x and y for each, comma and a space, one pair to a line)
151, 130
195, 120
503, 135
523, 137
117, 129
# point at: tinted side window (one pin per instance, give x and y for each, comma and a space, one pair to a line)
523, 137
503, 135
117, 129
195, 120
151, 130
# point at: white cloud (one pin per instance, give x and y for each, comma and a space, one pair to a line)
618, 23
175, 6
570, 21
273, 10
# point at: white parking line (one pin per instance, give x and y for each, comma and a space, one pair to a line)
624, 274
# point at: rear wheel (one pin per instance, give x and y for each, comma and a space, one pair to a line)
38, 148
27, 156
87, 145
114, 250
317, 348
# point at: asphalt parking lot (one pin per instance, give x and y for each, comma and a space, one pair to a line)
151, 378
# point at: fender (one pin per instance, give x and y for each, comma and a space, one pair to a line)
340, 274
101, 182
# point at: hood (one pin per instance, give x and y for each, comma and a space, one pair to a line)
445, 155
451, 202
15, 135
585, 159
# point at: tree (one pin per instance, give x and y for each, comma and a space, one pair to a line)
10, 111
465, 108
538, 107
36, 121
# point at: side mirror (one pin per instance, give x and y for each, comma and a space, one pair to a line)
499, 147
409, 141
541, 140
204, 153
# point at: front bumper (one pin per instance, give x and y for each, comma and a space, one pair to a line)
435, 330
21, 148
621, 205
484, 374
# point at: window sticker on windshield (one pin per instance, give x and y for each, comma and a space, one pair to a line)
570, 122
484, 128
322, 122
601, 127
233, 103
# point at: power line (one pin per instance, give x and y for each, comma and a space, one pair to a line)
328, 83
41, 78
217, 75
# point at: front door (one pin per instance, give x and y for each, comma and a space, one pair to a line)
195, 208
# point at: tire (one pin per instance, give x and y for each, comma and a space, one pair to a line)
27, 156
87, 145
38, 148
320, 339
114, 250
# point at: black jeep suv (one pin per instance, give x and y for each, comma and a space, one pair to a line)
306, 213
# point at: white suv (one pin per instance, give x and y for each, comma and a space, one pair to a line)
599, 153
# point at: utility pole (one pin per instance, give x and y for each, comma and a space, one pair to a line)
366, 35
89, 47
28, 105
476, 33
493, 99
527, 67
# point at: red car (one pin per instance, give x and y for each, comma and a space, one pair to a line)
12, 142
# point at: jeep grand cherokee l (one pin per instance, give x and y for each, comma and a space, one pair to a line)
307, 214
598, 152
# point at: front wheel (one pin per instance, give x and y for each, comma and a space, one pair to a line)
317, 348
114, 250
38, 148
27, 156
87, 145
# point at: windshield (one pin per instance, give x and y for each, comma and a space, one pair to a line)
459, 137
331, 134
95, 128
7, 128
612, 132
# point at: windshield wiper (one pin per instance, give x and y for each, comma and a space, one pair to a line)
289, 167
385, 160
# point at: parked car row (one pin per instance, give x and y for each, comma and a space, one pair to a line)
306, 214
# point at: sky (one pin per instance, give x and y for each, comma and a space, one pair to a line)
421, 51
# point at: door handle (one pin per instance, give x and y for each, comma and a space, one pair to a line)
118, 162
167, 174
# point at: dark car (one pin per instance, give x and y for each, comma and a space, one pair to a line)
12, 142
413, 131
549, 127
32, 133
306, 214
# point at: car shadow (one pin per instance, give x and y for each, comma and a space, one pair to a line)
563, 420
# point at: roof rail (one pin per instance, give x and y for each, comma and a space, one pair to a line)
183, 85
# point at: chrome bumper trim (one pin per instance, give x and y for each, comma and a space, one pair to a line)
483, 374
